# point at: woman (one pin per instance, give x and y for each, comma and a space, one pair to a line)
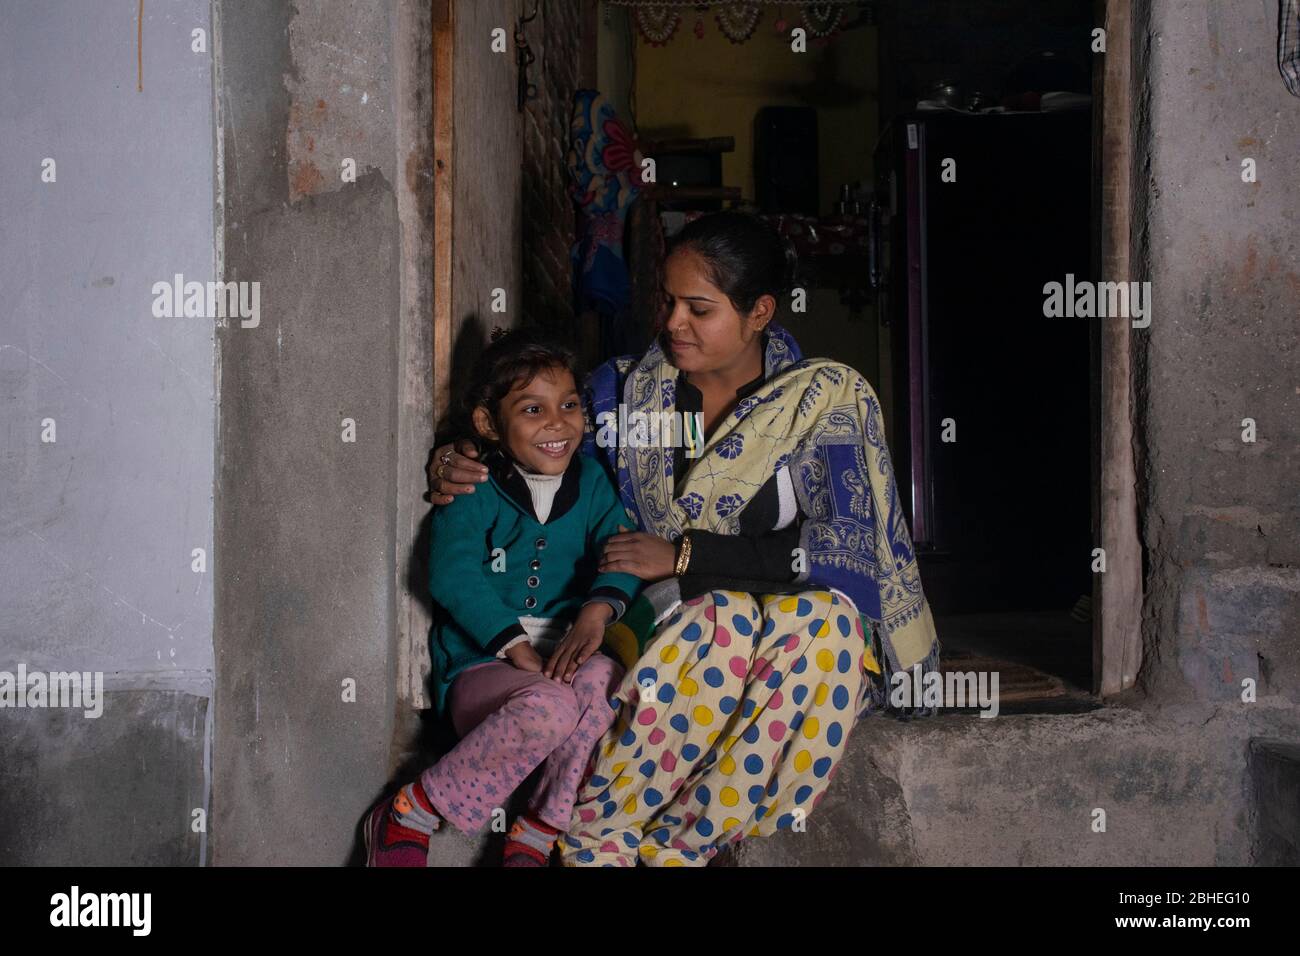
763, 555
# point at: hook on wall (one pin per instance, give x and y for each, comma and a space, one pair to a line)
524, 58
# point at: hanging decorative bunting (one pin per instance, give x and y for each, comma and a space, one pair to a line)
657, 24
657, 20
738, 20
822, 19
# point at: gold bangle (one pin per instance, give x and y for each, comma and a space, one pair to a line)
683, 555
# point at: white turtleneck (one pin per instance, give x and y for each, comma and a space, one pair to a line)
542, 489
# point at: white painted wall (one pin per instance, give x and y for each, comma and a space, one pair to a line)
97, 528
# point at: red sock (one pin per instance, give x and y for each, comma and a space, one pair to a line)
417, 791
530, 842
413, 810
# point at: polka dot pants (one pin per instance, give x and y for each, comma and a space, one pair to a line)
732, 722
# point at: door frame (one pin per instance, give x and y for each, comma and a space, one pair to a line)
1117, 592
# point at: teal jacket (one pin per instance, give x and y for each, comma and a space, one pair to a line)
545, 570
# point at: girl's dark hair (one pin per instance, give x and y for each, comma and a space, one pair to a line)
746, 258
514, 356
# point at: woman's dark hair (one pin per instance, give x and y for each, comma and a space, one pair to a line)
513, 357
746, 258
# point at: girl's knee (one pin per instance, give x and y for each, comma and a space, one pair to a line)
550, 703
599, 677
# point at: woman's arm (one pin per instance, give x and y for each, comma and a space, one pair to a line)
760, 558
453, 470
761, 563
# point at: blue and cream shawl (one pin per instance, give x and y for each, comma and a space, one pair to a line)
822, 421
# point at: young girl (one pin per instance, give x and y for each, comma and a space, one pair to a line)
520, 611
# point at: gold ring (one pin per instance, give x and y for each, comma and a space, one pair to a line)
437, 472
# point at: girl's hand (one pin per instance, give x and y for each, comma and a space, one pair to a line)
648, 556
581, 641
457, 474
524, 656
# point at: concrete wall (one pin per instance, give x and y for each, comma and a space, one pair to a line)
1224, 259
311, 594
97, 527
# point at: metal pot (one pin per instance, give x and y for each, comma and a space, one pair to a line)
947, 93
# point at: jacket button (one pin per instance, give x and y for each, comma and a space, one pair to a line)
533, 580
540, 544
530, 602
534, 564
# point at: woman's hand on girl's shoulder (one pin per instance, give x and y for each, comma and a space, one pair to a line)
453, 470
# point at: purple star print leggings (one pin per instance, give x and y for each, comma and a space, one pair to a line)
510, 721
